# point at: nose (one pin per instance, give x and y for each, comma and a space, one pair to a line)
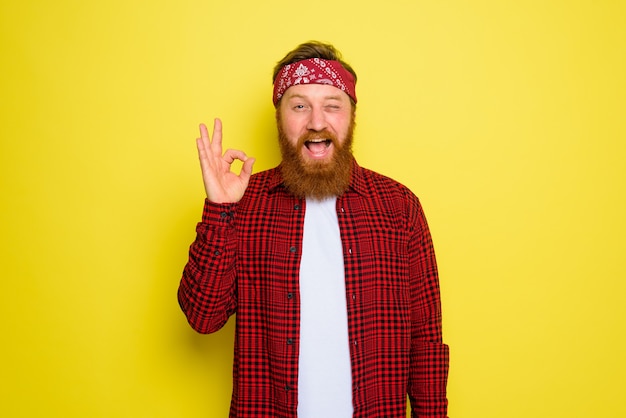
317, 120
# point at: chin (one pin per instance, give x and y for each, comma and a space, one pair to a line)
317, 163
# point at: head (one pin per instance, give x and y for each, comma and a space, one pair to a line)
315, 117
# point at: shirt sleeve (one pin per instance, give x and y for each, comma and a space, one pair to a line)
207, 293
429, 359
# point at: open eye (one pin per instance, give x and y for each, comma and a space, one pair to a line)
298, 107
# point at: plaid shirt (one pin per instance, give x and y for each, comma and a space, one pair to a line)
246, 259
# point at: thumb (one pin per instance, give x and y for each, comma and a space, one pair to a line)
246, 168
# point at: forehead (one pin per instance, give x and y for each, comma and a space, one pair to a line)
316, 92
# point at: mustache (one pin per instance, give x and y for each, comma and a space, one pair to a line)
313, 135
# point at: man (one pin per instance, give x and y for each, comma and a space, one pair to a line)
329, 266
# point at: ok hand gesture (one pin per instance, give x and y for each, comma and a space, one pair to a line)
221, 185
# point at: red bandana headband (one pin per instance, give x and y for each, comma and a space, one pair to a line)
314, 71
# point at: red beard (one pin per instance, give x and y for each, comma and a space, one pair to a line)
316, 179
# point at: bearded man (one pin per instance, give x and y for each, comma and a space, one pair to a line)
328, 266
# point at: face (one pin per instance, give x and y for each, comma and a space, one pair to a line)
315, 118
315, 124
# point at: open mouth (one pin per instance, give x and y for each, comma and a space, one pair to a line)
318, 145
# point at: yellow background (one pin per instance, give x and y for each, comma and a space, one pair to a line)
507, 118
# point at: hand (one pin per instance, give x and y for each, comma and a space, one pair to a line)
221, 185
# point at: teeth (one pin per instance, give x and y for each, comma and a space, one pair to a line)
316, 141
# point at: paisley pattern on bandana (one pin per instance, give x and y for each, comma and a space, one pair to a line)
314, 71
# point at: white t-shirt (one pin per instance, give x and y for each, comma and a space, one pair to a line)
325, 377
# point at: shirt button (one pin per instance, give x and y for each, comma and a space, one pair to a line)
292, 249
223, 214
289, 295
287, 388
289, 341
296, 207
217, 252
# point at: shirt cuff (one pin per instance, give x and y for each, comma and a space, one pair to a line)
218, 213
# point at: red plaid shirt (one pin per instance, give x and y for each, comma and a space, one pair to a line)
246, 260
